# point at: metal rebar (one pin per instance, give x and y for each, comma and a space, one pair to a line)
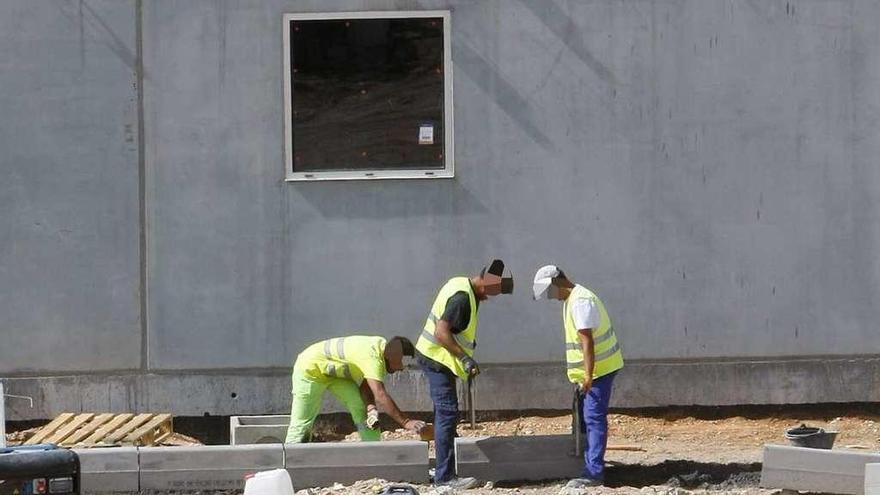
472, 408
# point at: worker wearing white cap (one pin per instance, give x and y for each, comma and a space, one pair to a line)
592, 357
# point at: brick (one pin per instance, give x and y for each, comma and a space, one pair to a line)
815, 470
245, 430
322, 464
872, 479
209, 467
110, 470
530, 458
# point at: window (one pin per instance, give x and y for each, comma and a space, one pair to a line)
368, 95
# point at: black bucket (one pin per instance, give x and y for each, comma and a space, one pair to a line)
811, 437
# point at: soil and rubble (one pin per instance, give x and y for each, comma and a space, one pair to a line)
712, 435
685, 451
738, 485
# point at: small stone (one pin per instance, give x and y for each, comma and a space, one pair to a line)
305, 491
443, 490
489, 485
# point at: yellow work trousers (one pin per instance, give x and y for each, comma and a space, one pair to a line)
307, 392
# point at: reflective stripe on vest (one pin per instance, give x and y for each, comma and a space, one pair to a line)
462, 342
428, 344
571, 346
607, 357
341, 370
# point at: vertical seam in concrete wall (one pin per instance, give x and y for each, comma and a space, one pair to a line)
142, 173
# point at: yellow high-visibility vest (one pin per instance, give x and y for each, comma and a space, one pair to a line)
607, 357
428, 344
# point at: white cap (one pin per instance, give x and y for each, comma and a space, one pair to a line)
543, 278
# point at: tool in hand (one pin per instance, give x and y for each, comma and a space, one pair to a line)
576, 422
472, 408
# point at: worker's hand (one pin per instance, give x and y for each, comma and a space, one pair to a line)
372, 417
587, 385
414, 425
470, 366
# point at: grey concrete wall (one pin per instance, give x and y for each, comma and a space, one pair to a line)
69, 226
708, 167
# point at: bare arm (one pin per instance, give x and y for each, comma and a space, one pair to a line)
443, 333
384, 401
367, 394
586, 337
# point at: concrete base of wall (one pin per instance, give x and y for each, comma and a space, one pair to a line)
815, 470
540, 386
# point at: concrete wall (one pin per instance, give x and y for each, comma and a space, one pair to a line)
708, 167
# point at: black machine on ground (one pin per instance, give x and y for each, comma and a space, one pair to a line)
38, 470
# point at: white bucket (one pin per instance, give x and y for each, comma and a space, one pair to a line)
274, 482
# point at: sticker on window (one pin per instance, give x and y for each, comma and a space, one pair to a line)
426, 134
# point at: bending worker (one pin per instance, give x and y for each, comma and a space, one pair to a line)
445, 352
593, 358
353, 369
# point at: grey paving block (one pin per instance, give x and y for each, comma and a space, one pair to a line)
815, 470
110, 470
245, 430
872, 479
529, 458
322, 464
209, 467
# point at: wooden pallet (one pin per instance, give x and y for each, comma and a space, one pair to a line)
104, 430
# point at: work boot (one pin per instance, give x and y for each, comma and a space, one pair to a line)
583, 483
459, 483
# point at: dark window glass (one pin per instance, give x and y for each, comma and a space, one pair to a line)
367, 94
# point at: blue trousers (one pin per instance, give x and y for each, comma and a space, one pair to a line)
443, 395
594, 425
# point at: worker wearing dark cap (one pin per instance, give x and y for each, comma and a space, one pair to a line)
445, 352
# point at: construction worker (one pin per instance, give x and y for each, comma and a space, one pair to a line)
445, 352
353, 369
592, 357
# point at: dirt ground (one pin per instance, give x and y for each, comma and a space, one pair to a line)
374, 487
710, 435
682, 451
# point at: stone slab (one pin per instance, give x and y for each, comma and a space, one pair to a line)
110, 470
322, 464
209, 467
872, 479
246, 430
815, 470
531, 458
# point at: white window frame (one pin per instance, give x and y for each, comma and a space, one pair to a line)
449, 130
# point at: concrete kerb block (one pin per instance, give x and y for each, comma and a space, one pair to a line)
246, 430
108, 470
872, 479
815, 470
323, 464
531, 458
209, 467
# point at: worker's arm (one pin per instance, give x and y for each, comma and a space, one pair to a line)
367, 395
389, 407
443, 333
586, 337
